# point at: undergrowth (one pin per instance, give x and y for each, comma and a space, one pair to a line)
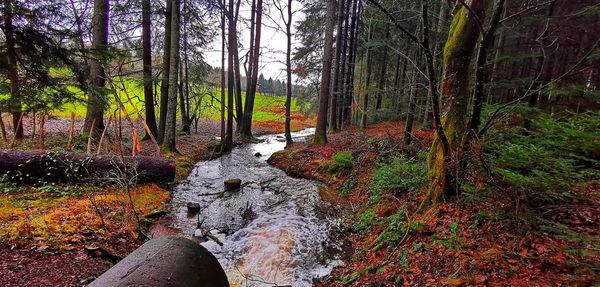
400, 175
543, 162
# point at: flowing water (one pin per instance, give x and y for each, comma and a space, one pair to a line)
273, 231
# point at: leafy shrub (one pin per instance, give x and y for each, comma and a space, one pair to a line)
341, 161
400, 175
366, 220
545, 161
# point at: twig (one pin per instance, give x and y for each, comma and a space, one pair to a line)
71, 128
89, 143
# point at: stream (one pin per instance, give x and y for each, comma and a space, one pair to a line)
274, 232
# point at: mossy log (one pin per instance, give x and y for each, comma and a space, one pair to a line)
42, 166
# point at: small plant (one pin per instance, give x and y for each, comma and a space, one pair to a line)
10, 188
60, 191
403, 258
367, 219
341, 161
401, 175
454, 228
347, 187
395, 230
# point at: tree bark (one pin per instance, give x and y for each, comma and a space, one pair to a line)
365, 108
223, 73
239, 112
321, 129
534, 98
437, 56
230, 80
97, 102
333, 100
343, 85
13, 74
164, 86
481, 70
288, 61
381, 85
147, 59
246, 131
171, 124
351, 62
185, 120
444, 155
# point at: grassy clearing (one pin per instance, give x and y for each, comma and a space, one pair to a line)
267, 108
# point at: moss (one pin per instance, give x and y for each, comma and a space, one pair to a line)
458, 52
60, 223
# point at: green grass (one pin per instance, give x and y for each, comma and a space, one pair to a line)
266, 108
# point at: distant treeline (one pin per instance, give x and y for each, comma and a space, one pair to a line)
265, 86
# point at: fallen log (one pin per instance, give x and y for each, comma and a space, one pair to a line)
42, 166
166, 261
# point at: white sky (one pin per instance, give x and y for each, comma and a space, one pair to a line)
273, 41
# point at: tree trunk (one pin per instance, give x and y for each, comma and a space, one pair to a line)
13, 74
223, 74
381, 85
147, 59
2, 128
72, 167
541, 60
97, 102
249, 76
458, 52
239, 112
349, 92
321, 130
365, 108
412, 106
246, 131
230, 80
288, 61
164, 86
185, 120
336, 68
171, 124
343, 85
439, 46
481, 70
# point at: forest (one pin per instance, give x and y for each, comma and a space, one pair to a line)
300, 143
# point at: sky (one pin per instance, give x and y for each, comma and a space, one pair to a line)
273, 41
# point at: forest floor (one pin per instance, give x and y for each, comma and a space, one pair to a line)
67, 235
480, 238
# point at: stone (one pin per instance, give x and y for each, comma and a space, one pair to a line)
258, 154
166, 261
233, 185
193, 207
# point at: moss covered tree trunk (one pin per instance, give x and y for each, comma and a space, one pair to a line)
442, 161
